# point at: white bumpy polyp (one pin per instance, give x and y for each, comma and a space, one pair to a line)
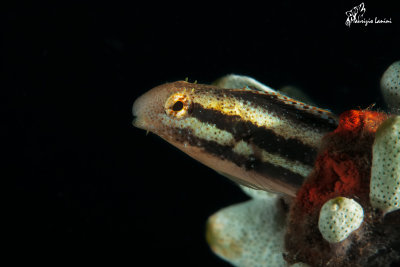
338, 218
390, 86
385, 172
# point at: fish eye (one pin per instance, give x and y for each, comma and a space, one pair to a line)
177, 105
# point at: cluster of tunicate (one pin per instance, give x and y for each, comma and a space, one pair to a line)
385, 171
233, 81
338, 218
249, 233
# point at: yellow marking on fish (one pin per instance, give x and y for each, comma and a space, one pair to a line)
243, 148
293, 166
259, 116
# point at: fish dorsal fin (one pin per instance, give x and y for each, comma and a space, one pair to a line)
241, 82
323, 113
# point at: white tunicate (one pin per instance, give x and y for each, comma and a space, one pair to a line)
338, 218
235, 81
390, 86
258, 194
249, 233
296, 93
385, 171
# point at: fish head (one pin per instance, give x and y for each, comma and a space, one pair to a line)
164, 109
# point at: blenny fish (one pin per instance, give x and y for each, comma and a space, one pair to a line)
337, 178
257, 137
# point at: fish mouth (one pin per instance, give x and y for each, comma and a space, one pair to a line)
138, 123
141, 122
134, 122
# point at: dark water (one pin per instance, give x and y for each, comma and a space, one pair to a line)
85, 183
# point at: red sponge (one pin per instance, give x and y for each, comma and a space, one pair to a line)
342, 168
343, 165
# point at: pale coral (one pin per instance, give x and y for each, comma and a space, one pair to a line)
249, 233
338, 218
385, 172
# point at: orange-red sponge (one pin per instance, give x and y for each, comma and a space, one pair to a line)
342, 169
343, 165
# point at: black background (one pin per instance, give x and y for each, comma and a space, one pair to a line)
85, 183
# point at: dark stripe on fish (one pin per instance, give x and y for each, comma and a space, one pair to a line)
225, 152
278, 172
288, 111
261, 137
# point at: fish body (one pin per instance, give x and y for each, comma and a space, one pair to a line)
258, 138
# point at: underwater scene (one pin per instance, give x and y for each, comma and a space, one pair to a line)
202, 135
324, 189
